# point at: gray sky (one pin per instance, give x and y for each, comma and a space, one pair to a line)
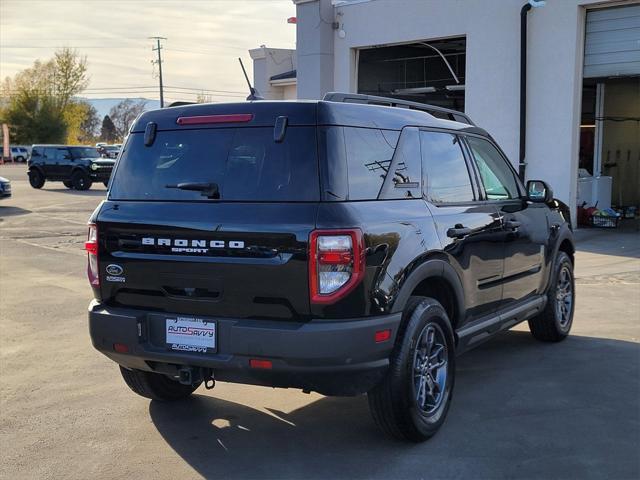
205, 37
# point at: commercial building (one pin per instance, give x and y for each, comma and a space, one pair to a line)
582, 93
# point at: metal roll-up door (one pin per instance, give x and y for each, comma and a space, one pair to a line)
612, 43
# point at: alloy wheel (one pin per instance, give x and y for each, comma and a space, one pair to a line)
430, 364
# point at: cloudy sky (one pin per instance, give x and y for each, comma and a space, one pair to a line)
204, 40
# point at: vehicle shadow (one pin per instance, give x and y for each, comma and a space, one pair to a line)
12, 211
520, 409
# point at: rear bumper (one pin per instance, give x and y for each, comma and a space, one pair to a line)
331, 357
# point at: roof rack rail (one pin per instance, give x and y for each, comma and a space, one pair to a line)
434, 110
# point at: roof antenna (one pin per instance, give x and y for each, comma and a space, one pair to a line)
254, 94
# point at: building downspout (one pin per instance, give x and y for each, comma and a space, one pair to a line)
522, 166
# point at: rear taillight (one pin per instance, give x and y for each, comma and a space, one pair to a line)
91, 246
336, 263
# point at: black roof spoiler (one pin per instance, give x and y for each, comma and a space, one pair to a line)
434, 110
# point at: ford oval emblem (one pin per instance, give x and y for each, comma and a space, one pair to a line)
114, 269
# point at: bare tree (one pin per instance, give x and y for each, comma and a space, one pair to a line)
124, 113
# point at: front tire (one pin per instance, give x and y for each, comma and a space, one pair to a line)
81, 180
36, 179
155, 385
412, 401
554, 323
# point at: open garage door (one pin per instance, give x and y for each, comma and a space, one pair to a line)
612, 42
430, 71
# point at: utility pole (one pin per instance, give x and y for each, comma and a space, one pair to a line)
159, 63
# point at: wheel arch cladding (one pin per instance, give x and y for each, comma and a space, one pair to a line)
436, 279
566, 246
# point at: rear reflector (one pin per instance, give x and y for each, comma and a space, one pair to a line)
382, 336
120, 348
204, 119
264, 364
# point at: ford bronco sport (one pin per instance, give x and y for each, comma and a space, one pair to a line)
344, 246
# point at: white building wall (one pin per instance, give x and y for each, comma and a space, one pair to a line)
492, 30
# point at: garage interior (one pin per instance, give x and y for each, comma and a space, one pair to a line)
431, 72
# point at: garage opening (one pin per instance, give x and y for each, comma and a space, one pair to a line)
609, 166
429, 71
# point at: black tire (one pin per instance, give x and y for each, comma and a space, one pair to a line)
155, 385
554, 323
67, 184
395, 403
19, 159
36, 178
80, 180
106, 184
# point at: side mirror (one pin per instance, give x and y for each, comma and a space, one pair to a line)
539, 192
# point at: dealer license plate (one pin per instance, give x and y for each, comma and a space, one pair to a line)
189, 334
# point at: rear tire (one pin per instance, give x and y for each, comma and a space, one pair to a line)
155, 385
554, 323
36, 178
412, 401
106, 184
68, 184
81, 180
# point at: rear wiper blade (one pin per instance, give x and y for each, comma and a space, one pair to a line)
209, 190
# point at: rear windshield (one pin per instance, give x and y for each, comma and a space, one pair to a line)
245, 164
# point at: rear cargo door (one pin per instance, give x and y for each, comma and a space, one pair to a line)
211, 222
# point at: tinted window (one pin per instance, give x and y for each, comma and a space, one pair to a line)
36, 152
498, 178
62, 154
444, 167
50, 153
369, 153
245, 163
406, 169
84, 152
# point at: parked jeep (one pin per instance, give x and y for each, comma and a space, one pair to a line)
334, 246
76, 167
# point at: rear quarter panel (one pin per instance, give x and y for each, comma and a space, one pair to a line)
398, 235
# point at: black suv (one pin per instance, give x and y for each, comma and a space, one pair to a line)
332, 246
77, 167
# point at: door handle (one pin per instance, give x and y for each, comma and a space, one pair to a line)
512, 224
458, 231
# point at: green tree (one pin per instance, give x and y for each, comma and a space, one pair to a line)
108, 130
34, 102
82, 121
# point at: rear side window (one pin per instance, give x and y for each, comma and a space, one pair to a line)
245, 164
50, 153
36, 152
444, 168
369, 154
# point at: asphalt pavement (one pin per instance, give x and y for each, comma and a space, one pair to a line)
521, 409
